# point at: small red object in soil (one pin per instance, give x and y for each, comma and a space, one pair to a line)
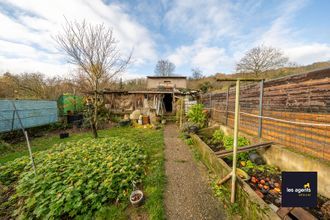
277, 185
262, 181
260, 186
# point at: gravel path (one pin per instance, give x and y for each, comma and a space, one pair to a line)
187, 194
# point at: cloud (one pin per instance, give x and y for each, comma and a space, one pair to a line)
305, 54
202, 19
283, 35
222, 31
19, 65
208, 59
212, 35
27, 28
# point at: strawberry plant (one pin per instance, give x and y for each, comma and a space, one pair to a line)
76, 178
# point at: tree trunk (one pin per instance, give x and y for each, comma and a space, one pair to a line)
94, 117
94, 130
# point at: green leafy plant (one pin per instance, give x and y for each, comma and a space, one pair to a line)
249, 165
228, 142
189, 141
76, 178
217, 137
196, 115
224, 194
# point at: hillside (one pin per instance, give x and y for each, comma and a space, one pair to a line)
212, 85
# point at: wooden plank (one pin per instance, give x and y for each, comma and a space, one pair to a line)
225, 153
283, 211
302, 214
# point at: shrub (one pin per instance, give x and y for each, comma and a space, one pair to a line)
228, 142
77, 178
196, 115
217, 137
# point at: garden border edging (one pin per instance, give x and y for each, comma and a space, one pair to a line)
254, 207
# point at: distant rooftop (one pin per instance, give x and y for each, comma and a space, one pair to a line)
173, 77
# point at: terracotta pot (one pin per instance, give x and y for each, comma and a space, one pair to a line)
145, 119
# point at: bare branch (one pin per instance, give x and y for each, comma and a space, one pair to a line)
94, 50
260, 59
164, 68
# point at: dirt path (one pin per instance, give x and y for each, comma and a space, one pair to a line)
187, 194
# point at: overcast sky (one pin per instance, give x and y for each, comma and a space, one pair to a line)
210, 35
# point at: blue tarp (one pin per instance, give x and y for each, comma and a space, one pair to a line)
32, 113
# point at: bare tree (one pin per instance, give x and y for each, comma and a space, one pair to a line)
164, 68
33, 86
260, 59
197, 73
94, 50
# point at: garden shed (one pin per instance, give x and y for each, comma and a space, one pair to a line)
162, 102
160, 96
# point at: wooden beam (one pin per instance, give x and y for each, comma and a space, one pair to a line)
240, 79
225, 153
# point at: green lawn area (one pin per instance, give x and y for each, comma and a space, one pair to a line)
153, 183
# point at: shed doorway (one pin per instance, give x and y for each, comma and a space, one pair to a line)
168, 102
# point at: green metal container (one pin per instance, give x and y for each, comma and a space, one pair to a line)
70, 104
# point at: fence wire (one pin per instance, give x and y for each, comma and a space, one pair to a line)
302, 127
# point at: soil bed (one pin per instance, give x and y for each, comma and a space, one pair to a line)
265, 179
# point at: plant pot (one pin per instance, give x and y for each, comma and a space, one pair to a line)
136, 198
64, 135
145, 119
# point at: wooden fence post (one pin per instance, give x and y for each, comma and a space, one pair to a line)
227, 103
211, 107
260, 108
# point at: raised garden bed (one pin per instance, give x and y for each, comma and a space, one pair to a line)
252, 206
265, 179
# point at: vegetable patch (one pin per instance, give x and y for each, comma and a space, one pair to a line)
76, 178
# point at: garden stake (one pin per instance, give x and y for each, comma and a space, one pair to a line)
227, 177
181, 111
233, 176
26, 138
236, 124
